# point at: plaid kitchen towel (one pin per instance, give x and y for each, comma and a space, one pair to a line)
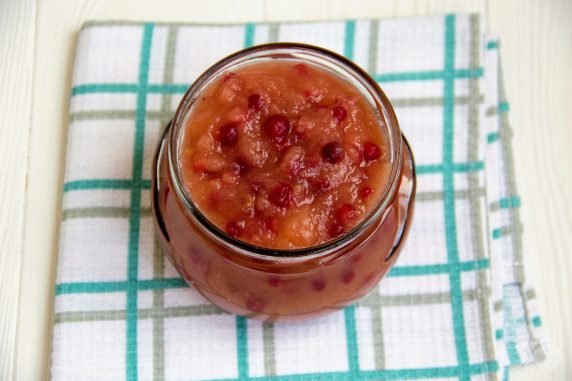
456, 306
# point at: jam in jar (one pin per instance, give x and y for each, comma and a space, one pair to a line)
283, 187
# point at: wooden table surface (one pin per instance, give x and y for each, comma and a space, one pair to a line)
37, 43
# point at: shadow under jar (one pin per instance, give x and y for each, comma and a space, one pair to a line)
356, 230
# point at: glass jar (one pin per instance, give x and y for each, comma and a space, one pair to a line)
283, 284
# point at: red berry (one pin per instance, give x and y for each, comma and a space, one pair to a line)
333, 152
255, 187
348, 276
369, 277
318, 284
273, 281
277, 126
365, 192
339, 113
197, 258
272, 224
199, 261
281, 195
255, 102
356, 258
255, 303
346, 214
336, 229
227, 135
318, 185
343, 218
302, 69
371, 151
234, 229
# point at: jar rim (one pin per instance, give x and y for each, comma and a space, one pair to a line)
294, 51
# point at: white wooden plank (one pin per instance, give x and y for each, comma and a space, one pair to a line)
341, 9
16, 50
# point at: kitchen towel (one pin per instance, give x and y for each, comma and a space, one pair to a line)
456, 305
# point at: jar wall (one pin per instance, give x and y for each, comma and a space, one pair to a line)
274, 288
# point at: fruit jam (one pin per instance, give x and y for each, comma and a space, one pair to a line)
283, 155
283, 187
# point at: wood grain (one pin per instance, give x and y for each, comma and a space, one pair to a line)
537, 51
16, 43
